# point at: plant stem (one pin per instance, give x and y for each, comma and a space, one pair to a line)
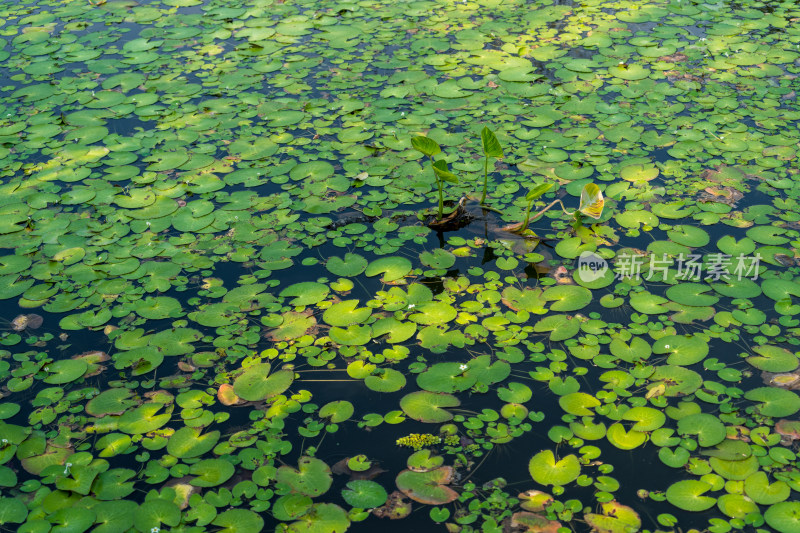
485, 177
440, 187
441, 199
527, 216
554, 202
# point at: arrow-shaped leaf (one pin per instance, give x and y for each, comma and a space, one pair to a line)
440, 168
491, 146
425, 145
591, 201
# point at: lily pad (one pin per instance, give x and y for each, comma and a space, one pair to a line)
784, 516
688, 495
545, 470
256, 383
429, 406
364, 494
428, 487
312, 477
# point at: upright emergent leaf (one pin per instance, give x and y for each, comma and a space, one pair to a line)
591, 201
440, 168
491, 146
537, 191
425, 145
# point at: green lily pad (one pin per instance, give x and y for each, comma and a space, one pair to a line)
354, 335
337, 411
393, 268
625, 439
321, 518
350, 266
65, 371
188, 442
346, 313
736, 505
646, 418
709, 429
773, 359
438, 259
385, 380
684, 350
758, 488
211, 472
429, 407
691, 294
312, 477
428, 487
567, 297
305, 293
12, 511
578, 403
690, 236
238, 521
436, 312
784, 517
156, 513
291, 506
688, 495
545, 470
364, 494
773, 401
256, 383
109, 402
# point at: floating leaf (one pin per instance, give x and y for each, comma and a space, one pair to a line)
188, 442
256, 383
346, 313
364, 494
773, 359
305, 293
784, 517
312, 477
392, 268
708, 428
238, 521
428, 487
544, 469
684, 350
211, 472
774, 402
350, 266
688, 495
428, 406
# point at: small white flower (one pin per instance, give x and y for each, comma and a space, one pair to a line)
411, 306
154, 530
66, 468
148, 223
463, 367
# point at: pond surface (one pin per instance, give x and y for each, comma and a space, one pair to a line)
228, 304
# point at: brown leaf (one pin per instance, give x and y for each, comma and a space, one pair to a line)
396, 507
